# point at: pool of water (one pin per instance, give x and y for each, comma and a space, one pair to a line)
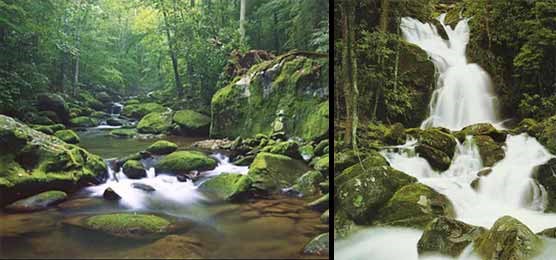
276, 227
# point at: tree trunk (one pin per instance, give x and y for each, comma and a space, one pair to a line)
192, 3
172, 52
347, 69
242, 20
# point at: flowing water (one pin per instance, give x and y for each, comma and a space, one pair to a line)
278, 226
463, 97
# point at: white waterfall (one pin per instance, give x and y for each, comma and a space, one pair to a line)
463, 95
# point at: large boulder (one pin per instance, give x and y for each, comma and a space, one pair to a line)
437, 147
182, 162
140, 110
288, 148
361, 191
32, 162
53, 102
227, 186
508, 239
546, 133
490, 151
308, 183
124, 132
84, 121
273, 172
295, 86
154, 123
482, 129
162, 147
134, 169
68, 136
191, 123
447, 236
544, 175
414, 205
37, 202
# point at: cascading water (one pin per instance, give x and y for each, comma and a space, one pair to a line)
463, 97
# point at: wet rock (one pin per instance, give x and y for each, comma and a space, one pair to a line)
544, 175
244, 160
68, 136
320, 204
138, 111
213, 144
325, 217
482, 129
345, 159
114, 122
308, 183
182, 162
307, 152
227, 186
288, 148
414, 205
437, 147
475, 183
53, 102
318, 245
447, 236
319, 149
84, 121
154, 123
37, 202
484, 172
162, 147
273, 172
110, 194
183, 177
490, 151
123, 133
134, 169
321, 164
143, 187
191, 123
549, 232
436, 158
508, 239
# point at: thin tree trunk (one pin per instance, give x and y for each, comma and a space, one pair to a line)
172, 52
78, 46
347, 70
242, 20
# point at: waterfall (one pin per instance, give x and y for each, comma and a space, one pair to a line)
463, 95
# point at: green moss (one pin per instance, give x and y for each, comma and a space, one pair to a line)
227, 186
185, 161
154, 123
191, 119
271, 172
38, 202
68, 136
124, 132
128, 225
134, 169
84, 121
490, 151
140, 110
322, 164
288, 148
132, 102
162, 147
308, 183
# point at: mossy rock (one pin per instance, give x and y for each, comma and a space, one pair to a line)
53, 102
373, 159
297, 85
68, 136
308, 183
227, 186
307, 152
273, 172
91, 101
549, 232
318, 245
124, 132
414, 205
544, 175
288, 148
482, 129
134, 169
343, 225
162, 147
126, 225
490, 151
99, 114
34, 162
322, 164
362, 191
447, 236
154, 123
140, 110
132, 102
436, 158
191, 123
84, 121
546, 133
43, 128
182, 162
508, 239
437, 147
345, 159
37, 202
527, 125
319, 149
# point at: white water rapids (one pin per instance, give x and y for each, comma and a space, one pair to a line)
463, 97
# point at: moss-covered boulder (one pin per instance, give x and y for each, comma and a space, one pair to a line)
322, 164
162, 147
546, 133
318, 245
134, 169
295, 85
191, 123
125, 225
124, 132
84, 121
308, 183
68, 136
490, 151
182, 162
447, 236
37, 202
508, 239
33, 162
544, 175
482, 129
361, 191
373, 159
437, 147
90, 101
414, 205
154, 123
43, 128
55, 103
288, 148
227, 186
345, 159
549, 232
140, 110
273, 172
